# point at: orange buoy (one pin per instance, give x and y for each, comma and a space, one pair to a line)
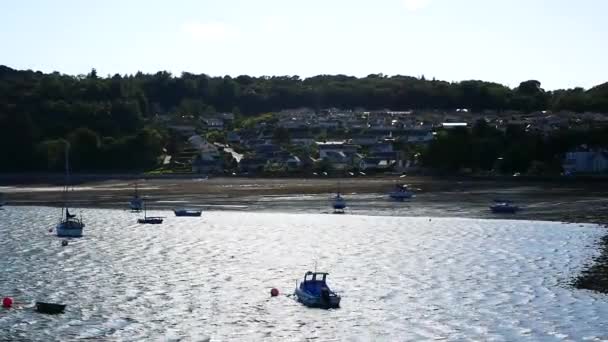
7, 302
274, 292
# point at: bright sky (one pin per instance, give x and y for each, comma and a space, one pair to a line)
562, 43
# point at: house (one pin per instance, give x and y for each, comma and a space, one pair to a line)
338, 160
267, 150
365, 139
214, 124
299, 137
450, 125
331, 124
228, 118
183, 130
586, 161
419, 136
381, 147
336, 146
294, 163
375, 164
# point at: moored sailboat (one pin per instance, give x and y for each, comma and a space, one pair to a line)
136, 203
70, 225
149, 219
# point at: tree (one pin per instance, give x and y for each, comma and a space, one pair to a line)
51, 154
84, 149
216, 137
281, 135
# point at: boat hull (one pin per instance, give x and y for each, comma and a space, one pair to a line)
150, 220
50, 308
498, 209
313, 301
69, 229
190, 213
400, 196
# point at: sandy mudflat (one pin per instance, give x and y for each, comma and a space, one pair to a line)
571, 202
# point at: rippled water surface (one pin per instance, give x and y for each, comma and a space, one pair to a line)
208, 278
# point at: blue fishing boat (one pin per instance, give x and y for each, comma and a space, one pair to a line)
338, 203
504, 207
400, 193
314, 292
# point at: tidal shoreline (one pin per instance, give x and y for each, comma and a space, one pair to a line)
553, 201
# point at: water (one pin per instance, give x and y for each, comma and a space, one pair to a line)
208, 278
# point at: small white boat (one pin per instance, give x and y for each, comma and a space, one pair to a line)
400, 193
70, 225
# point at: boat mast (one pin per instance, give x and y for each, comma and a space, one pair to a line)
67, 179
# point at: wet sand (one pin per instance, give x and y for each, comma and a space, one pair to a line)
569, 202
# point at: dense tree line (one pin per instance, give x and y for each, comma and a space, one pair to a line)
485, 148
38, 110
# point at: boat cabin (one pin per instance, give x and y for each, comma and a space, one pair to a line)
314, 282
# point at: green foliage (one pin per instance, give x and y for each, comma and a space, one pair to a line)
36, 108
251, 122
485, 148
51, 154
216, 137
280, 135
84, 149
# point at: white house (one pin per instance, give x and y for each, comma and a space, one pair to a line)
214, 124
419, 136
586, 162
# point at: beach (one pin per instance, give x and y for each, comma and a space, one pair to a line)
554, 201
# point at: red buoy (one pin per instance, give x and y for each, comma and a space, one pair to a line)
7, 302
274, 292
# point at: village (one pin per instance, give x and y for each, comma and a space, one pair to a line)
345, 142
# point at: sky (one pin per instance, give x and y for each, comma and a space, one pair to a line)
561, 43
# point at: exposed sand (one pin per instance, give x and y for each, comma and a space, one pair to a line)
571, 202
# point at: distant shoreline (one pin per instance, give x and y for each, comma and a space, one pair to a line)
52, 178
